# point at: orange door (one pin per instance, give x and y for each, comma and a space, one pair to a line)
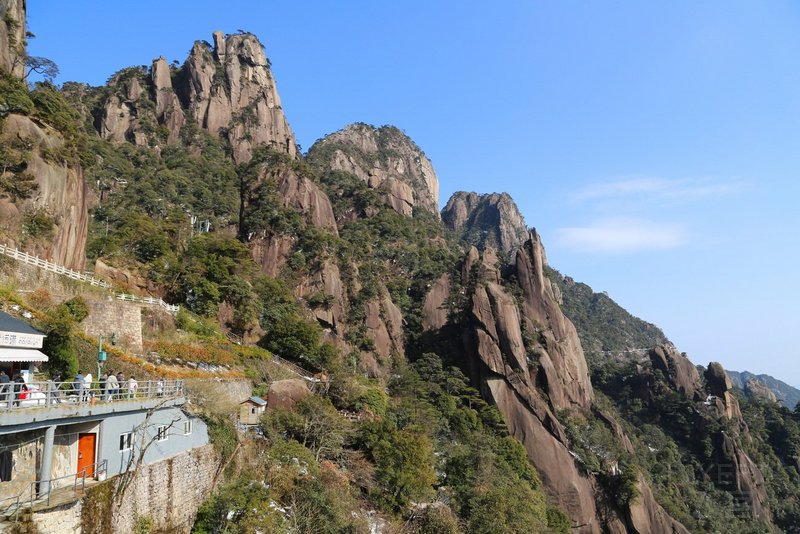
86, 446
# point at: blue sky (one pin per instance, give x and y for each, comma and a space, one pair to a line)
654, 145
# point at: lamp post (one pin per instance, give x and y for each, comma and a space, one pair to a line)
101, 356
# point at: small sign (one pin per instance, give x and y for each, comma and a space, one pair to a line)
17, 339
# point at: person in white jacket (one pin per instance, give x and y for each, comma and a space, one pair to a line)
86, 387
133, 385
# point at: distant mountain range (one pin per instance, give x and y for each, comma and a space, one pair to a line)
790, 396
606, 329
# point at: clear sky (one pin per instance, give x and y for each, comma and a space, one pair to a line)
655, 145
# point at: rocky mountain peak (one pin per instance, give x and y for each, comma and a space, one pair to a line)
231, 91
227, 89
487, 220
387, 160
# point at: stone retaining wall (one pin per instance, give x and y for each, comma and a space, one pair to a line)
108, 317
64, 519
165, 494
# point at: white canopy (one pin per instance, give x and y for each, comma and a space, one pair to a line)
21, 355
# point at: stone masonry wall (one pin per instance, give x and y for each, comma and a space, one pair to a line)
168, 492
64, 519
112, 316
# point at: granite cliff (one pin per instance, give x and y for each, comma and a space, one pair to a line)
491, 220
226, 88
43, 196
386, 160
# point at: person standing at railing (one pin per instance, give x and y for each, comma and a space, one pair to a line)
160, 387
112, 385
122, 384
53, 391
87, 386
19, 387
133, 385
103, 384
77, 385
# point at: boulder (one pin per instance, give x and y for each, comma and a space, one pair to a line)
718, 380
678, 370
285, 393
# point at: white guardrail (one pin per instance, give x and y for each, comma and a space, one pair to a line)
36, 261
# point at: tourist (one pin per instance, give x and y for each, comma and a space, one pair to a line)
87, 386
160, 387
77, 385
53, 391
133, 385
121, 382
19, 387
103, 385
112, 386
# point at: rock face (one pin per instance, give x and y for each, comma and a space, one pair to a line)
285, 393
60, 198
326, 285
230, 90
743, 479
560, 355
527, 360
758, 389
386, 160
646, 515
291, 191
134, 283
434, 309
384, 323
271, 252
122, 115
168, 107
736, 472
486, 220
681, 373
227, 89
12, 34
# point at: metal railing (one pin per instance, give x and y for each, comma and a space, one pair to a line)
24, 257
41, 491
33, 395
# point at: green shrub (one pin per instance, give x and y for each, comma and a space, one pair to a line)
557, 521
77, 308
38, 224
14, 97
221, 434
59, 344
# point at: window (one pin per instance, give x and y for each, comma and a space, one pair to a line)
125, 441
187, 427
162, 435
252, 410
6, 465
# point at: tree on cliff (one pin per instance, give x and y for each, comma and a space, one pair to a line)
43, 66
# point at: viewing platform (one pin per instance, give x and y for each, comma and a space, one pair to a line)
46, 402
